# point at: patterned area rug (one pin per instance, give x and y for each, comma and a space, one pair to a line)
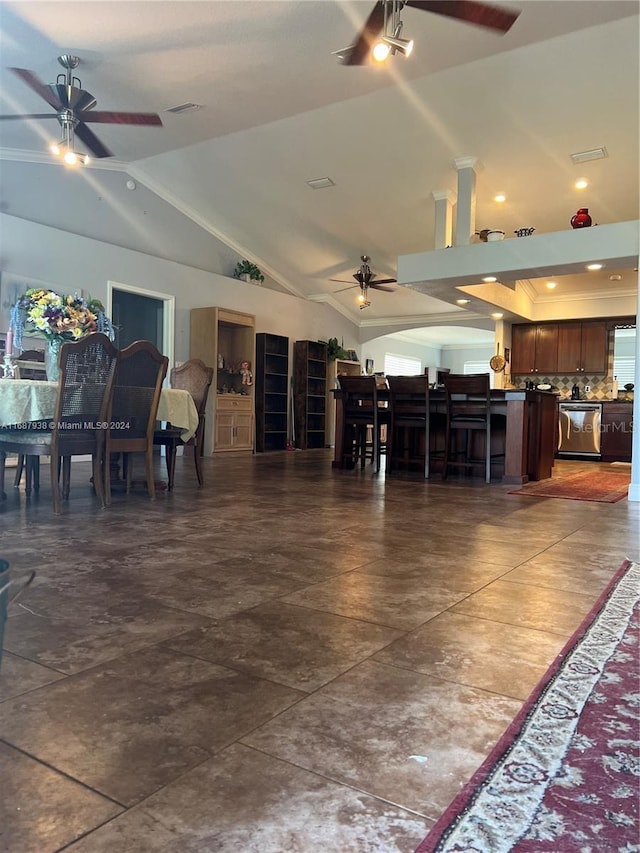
602, 486
564, 777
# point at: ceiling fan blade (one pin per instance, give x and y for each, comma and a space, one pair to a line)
342, 289
105, 117
31, 115
39, 88
363, 44
480, 14
376, 286
91, 141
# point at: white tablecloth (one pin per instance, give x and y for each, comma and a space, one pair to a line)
24, 400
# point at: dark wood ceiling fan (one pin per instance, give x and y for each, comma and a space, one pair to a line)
74, 107
366, 279
469, 11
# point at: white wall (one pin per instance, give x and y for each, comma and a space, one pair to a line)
70, 262
454, 357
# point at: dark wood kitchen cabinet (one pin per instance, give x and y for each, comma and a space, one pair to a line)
616, 431
583, 348
534, 349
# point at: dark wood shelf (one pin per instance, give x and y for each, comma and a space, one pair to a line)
272, 392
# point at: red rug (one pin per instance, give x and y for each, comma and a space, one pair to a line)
602, 486
564, 777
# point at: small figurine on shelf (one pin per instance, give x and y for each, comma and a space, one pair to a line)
220, 362
245, 370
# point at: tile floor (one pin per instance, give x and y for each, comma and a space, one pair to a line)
292, 659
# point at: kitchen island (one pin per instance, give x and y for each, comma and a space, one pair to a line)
527, 436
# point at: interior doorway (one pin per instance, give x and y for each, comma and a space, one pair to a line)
140, 314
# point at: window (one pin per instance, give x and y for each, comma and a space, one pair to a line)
401, 365
478, 367
624, 368
624, 361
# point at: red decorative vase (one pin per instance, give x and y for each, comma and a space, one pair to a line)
581, 218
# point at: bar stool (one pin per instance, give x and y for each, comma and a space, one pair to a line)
363, 412
409, 434
468, 412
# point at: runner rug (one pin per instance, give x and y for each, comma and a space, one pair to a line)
564, 777
602, 486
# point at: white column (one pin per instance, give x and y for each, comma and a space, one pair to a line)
466, 207
634, 486
499, 379
444, 200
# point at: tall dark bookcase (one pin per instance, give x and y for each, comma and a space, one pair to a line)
309, 393
271, 391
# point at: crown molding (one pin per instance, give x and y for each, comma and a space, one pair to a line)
191, 213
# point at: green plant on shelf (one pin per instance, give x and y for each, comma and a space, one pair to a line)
334, 350
246, 268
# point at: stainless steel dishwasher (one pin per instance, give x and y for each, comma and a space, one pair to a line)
579, 426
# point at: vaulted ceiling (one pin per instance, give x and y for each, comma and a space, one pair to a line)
229, 180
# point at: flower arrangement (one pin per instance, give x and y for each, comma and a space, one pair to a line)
57, 318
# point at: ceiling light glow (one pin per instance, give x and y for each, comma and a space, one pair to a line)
581, 184
500, 198
594, 267
551, 285
489, 279
381, 51
463, 301
497, 315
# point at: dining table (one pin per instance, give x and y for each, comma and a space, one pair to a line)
32, 400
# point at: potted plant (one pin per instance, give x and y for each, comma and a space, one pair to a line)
334, 350
248, 272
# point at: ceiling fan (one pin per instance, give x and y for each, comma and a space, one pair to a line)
366, 279
386, 13
73, 107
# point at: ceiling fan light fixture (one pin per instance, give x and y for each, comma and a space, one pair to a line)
398, 45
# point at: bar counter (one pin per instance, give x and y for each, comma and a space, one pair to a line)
528, 440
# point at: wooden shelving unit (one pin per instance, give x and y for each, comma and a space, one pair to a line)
271, 392
337, 367
223, 339
309, 393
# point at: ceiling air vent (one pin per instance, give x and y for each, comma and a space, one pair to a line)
592, 154
183, 108
320, 183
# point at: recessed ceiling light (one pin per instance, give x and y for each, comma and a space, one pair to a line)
500, 198
490, 278
320, 183
551, 284
581, 184
497, 315
462, 301
615, 278
594, 267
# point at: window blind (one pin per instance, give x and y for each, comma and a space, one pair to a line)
401, 365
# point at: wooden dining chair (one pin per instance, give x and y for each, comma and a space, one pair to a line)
364, 415
195, 377
139, 374
28, 367
409, 442
84, 394
468, 412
